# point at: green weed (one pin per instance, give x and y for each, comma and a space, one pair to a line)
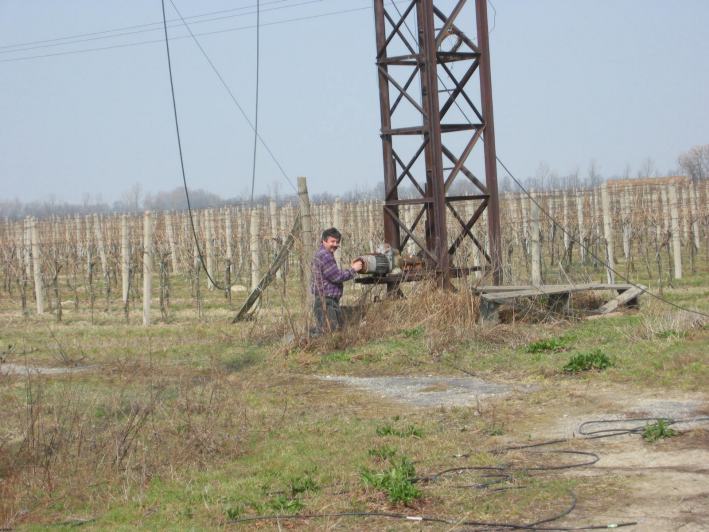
397, 481
554, 345
411, 430
281, 503
595, 359
495, 430
414, 333
233, 513
302, 483
383, 452
658, 431
666, 335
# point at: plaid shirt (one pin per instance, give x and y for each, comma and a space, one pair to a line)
327, 278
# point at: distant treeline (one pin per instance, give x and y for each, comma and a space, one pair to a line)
694, 164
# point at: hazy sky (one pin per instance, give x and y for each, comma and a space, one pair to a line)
614, 81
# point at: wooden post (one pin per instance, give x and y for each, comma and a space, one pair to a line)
37, 268
536, 248
125, 258
371, 225
674, 220
101, 247
229, 237
567, 235
171, 242
27, 248
337, 222
695, 217
608, 233
283, 227
306, 236
580, 204
625, 220
147, 266
683, 195
209, 240
255, 244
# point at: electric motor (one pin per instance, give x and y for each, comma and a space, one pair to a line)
375, 263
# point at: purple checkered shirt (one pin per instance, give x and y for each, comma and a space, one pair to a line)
327, 278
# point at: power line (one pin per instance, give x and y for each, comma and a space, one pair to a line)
179, 148
206, 33
258, 63
233, 99
127, 30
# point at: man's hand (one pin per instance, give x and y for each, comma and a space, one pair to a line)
357, 265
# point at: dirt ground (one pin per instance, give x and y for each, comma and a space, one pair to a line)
666, 482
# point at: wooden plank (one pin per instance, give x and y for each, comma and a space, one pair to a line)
548, 290
622, 299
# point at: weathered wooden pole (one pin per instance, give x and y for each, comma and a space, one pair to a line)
169, 230
98, 233
580, 198
37, 268
625, 217
306, 236
27, 248
255, 244
228, 237
695, 217
337, 222
567, 234
608, 233
676, 242
536, 248
125, 258
147, 266
209, 241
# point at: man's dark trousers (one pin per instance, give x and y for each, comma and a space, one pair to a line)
328, 314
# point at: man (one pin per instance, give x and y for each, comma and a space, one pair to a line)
326, 282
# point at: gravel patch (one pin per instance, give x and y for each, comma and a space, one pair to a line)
19, 369
429, 391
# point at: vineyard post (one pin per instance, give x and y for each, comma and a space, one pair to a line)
608, 233
37, 267
147, 266
674, 220
170, 231
209, 240
125, 259
306, 238
254, 230
536, 250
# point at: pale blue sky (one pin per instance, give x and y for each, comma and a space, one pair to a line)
614, 81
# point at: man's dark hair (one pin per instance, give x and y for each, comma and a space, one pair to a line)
327, 233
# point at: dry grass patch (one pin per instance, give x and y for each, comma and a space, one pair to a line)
65, 441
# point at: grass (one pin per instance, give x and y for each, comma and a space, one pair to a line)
194, 423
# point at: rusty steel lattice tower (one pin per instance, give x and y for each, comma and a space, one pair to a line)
426, 63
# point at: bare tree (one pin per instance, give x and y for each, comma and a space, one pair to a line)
695, 162
647, 168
